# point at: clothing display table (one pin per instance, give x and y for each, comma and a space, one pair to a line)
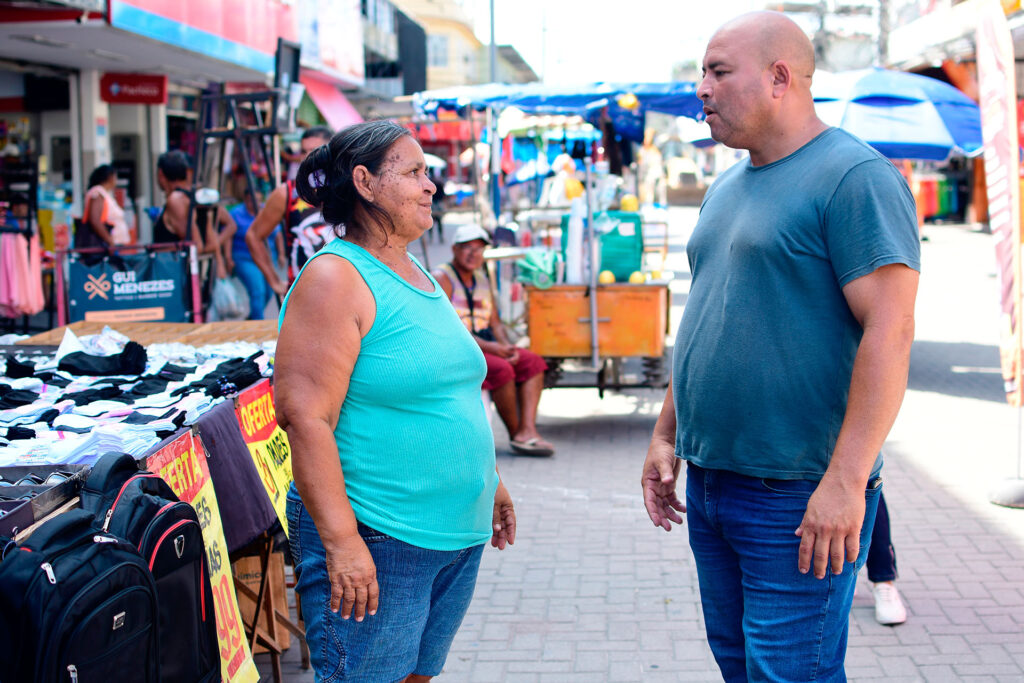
195, 406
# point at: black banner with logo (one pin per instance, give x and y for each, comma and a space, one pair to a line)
129, 287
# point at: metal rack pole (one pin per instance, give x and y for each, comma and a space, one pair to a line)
591, 253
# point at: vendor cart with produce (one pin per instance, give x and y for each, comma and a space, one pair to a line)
613, 327
596, 315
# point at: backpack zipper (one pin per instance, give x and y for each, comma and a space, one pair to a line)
73, 670
149, 526
48, 569
110, 512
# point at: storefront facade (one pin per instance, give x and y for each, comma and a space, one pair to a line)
89, 82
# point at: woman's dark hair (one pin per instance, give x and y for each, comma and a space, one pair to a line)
101, 174
325, 176
174, 165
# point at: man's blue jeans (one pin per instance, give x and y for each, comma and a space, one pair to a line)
765, 620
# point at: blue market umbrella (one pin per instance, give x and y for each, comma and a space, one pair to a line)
902, 115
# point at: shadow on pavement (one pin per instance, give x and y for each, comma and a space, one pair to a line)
957, 369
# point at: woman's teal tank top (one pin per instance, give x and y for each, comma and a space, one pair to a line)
414, 439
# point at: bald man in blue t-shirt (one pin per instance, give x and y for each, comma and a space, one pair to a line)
790, 363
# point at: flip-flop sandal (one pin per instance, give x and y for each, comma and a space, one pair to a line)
534, 446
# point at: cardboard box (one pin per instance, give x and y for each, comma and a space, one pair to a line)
248, 572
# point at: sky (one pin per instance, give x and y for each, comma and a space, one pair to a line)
606, 40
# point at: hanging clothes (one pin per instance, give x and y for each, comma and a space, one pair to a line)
8, 282
21, 282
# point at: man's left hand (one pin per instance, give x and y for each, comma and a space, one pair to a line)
503, 520
830, 529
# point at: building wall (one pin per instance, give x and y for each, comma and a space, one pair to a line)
454, 55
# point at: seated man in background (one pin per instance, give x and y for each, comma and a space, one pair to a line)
515, 377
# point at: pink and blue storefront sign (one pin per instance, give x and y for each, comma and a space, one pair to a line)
242, 32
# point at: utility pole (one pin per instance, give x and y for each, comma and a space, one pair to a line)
884, 26
495, 143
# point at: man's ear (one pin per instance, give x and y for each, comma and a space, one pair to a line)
782, 77
364, 182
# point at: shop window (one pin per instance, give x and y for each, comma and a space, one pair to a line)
437, 51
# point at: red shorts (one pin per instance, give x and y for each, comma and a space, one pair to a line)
500, 372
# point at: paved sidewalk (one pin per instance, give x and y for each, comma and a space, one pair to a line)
593, 592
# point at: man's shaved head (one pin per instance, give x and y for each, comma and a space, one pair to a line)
756, 87
775, 37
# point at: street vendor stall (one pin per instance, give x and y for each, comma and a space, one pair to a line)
595, 305
196, 408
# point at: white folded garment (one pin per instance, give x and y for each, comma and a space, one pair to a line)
29, 383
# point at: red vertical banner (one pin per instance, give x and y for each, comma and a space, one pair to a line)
997, 90
182, 464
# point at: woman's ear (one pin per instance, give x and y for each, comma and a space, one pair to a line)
364, 182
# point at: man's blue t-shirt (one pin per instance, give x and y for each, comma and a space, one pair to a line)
765, 350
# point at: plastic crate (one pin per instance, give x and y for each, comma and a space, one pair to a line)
622, 248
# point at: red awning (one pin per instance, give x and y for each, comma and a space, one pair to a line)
334, 106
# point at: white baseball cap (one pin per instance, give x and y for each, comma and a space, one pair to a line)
470, 232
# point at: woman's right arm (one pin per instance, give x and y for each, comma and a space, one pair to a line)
329, 311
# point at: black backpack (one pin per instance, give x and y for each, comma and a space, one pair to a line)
77, 604
142, 509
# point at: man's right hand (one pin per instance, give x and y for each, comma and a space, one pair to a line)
661, 471
353, 577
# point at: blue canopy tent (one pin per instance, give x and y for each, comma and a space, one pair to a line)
902, 115
678, 99
588, 101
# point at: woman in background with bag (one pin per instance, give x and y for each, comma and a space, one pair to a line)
103, 220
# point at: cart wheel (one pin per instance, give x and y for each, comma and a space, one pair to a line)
554, 372
655, 372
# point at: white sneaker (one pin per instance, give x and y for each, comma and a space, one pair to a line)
889, 609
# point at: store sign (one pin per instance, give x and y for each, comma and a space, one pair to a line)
182, 464
118, 88
268, 444
997, 94
123, 287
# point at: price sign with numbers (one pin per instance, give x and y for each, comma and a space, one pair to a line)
268, 444
182, 464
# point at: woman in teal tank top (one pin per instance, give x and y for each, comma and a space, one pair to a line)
377, 384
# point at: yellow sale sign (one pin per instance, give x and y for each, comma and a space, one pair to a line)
268, 444
182, 464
